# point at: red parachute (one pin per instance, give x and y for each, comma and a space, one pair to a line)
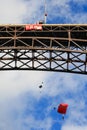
62, 108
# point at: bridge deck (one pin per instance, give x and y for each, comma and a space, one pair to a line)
50, 35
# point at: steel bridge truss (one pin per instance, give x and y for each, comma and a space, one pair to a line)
56, 47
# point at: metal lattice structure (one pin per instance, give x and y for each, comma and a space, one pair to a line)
57, 47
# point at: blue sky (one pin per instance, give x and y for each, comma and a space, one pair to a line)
23, 106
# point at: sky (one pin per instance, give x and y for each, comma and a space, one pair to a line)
23, 106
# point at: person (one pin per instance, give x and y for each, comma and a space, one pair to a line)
41, 85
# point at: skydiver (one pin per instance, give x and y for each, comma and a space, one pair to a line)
41, 85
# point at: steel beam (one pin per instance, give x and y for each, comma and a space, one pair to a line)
57, 47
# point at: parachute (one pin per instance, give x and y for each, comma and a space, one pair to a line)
62, 108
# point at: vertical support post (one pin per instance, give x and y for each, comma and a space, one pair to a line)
50, 59
15, 57
15, 51
15, 37
32, 59
69, 37
68, 60
85, 62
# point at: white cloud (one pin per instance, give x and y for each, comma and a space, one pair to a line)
64, 11
19, 113
71, 127
64, 83
14, 83
12, 11
23, 11
57, 86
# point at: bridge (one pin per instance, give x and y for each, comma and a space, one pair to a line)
57, 47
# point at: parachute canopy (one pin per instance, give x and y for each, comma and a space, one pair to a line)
62, 108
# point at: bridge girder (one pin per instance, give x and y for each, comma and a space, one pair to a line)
56, 47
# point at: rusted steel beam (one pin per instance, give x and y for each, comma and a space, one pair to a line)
57, 47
